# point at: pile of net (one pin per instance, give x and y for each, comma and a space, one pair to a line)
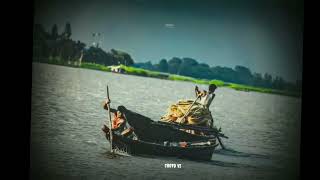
198, 114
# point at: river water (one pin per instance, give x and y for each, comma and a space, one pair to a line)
67, 141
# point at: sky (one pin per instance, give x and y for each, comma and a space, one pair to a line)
265, 36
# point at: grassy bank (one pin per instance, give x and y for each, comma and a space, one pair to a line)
154, 74
234, 86
219, 83
143, 72
95, 67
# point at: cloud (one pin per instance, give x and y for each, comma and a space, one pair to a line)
170, 25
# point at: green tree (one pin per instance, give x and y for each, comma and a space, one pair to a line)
40, 46
267, 80
54, 32
97, 55
174, 65
67, 30
67, 50
122, 57
201, 71
223, 73
278, 83
186, 68
163, 65
244, 75
257, 79
147, 65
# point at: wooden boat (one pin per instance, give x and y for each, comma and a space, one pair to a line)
199, 150
157, 131
161, 138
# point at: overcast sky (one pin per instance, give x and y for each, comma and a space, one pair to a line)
265, 36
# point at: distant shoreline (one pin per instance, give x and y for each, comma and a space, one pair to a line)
159, 75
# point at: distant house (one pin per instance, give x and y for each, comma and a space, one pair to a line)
117, 69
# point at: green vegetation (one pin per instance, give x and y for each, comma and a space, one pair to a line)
218, 83
57, 61
148, 73
95, 66
143, 72
60, 49
181, 78
238, 87
239, 74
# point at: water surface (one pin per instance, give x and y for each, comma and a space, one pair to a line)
67, 141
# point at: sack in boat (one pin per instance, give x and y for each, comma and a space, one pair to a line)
198, 114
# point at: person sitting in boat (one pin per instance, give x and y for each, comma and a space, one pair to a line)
193, 112
119, 123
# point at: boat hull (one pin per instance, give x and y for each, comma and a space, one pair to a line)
149, 130
140, 147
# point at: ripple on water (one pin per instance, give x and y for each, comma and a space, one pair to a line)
67, 119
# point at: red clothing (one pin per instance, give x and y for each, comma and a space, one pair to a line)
117, 121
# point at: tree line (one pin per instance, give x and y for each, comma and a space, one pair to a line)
52, 45
238, 74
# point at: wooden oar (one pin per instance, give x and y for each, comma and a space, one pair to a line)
110, 120
188, 111
220, 142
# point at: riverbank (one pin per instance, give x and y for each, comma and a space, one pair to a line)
154, 74
219, 83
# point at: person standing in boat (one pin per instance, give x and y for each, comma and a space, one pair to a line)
193, 112
206, 97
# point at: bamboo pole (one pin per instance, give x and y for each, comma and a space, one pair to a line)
187, 113
110, 121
